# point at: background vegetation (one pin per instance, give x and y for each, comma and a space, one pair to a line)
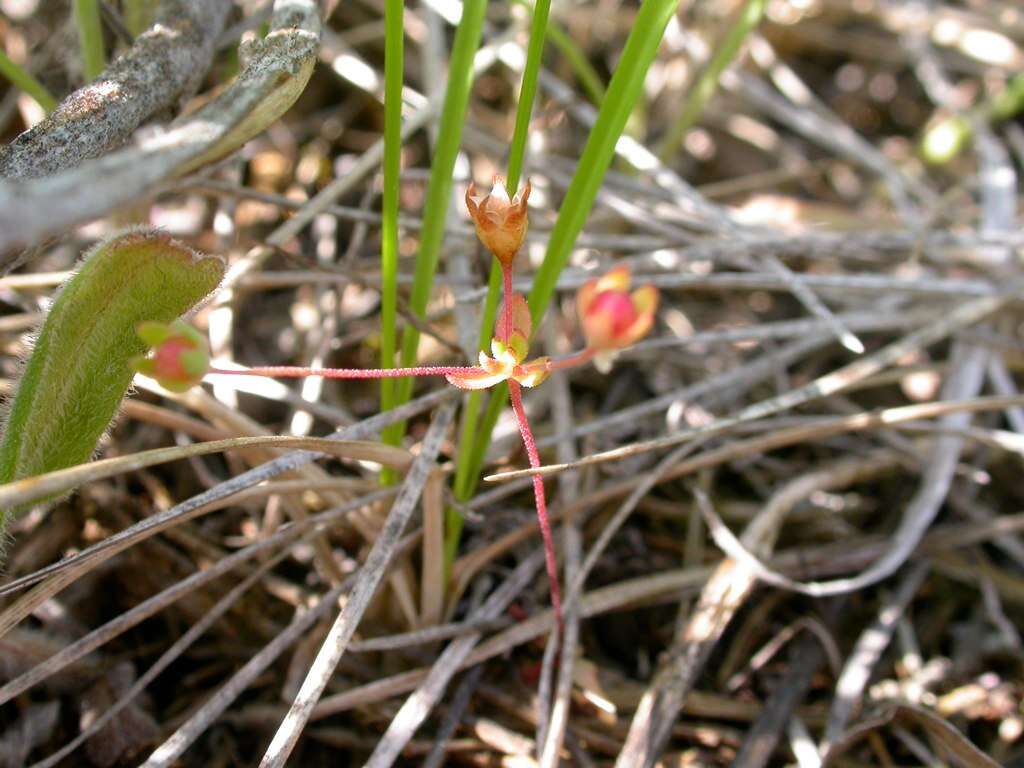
788, 521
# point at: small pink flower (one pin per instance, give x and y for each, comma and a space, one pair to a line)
180, 356
501, 222
506, 358
611, 317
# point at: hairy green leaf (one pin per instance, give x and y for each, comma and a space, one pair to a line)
79, 368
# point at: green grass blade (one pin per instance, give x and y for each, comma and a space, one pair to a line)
25, 83
589, 79
624, 91
138, 15
465, 481
90, 38
393, 53
439, 188
528, 92
725, 52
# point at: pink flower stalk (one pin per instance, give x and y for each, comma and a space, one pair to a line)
550, 562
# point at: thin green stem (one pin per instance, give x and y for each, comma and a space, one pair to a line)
453, 113
393, 72
527, 93
725, 52
90, 38
578, 62
581, 67
25, 83
138, 15
624, 91
471, 450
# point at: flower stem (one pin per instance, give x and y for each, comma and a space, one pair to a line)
506, 309
294, 372
577, 358
516, 394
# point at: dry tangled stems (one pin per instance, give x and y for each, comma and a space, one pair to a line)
882, 484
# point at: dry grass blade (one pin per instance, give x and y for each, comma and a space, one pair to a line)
363, 590
208, 500
920, 512
663, 586
179, 646
32, 489
285, 537
172, 748
806, 657
959, 750
561, 652
417, 707
852, 185
866, 654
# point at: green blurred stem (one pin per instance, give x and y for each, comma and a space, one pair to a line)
725, 52
90, 37
945, 139
393, 71
138, 15
578, 62
453, 113
25, 83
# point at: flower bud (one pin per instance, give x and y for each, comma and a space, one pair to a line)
501, 223
180, 356
611, 317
